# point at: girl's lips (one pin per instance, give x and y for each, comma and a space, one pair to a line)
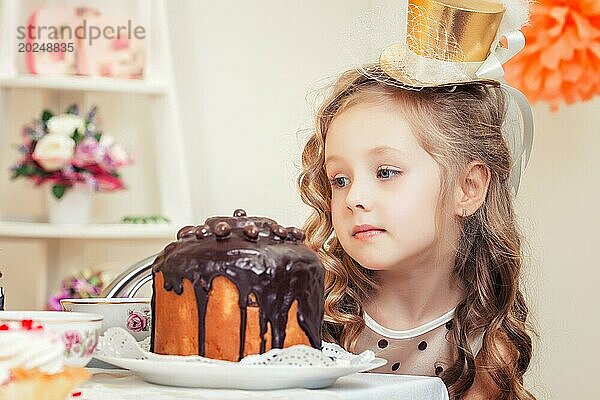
368, 234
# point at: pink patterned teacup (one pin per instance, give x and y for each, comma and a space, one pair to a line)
78, 331
134, 314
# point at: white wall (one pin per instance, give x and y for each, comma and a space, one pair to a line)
558, 208
244, 71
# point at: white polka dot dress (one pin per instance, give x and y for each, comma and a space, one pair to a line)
426, 350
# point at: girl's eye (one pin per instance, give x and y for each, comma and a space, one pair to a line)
387, 172
339, 181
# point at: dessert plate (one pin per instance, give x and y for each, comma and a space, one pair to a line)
293, 367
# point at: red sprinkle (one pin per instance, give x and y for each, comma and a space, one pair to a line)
4, 327
26, 324
76, 394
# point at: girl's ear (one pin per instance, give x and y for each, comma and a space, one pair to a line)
472, 188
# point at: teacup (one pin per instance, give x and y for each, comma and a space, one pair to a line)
79, 331
132, 314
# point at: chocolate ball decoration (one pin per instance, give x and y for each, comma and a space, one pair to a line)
202, 231
251, 232
296, 233
222, 230
239, 213
185, 232
170, 247
279, 231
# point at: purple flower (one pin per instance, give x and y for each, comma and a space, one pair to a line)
82, 286
54, 302
136, 322
95, 291
87, 152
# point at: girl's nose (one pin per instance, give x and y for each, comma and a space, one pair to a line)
357, 198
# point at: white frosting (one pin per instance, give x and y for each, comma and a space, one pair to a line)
29, 350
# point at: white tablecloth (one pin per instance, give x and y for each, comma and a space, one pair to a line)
123, 385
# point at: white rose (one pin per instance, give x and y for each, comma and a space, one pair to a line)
115, 151
106, 141
65, 124
54, 151
118, 154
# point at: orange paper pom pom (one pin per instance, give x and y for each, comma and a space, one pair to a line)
561, 60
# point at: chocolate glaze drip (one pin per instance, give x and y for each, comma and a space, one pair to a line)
268, 263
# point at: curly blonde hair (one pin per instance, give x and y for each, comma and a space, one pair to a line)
488, 260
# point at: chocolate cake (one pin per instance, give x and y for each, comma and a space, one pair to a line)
236, 286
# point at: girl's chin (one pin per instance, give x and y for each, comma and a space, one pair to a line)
373, 263
375, 267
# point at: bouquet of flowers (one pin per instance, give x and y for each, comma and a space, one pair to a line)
68, 149
87, 284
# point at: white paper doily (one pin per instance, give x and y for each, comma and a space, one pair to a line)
296, 366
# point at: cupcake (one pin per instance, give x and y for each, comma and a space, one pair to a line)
31, 365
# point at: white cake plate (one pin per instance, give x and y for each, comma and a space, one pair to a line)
293, 367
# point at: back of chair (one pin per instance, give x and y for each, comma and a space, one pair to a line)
130, 281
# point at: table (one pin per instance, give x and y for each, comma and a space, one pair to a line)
117, 384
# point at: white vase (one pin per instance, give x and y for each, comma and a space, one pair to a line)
73, 207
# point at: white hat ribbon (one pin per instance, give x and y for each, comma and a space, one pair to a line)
492, 67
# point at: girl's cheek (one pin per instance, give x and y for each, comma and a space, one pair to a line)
337, 209
337, 199
335, 212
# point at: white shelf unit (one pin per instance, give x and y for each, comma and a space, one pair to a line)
83, 84
38, 230
142, 114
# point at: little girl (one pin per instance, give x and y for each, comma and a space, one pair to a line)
413, 220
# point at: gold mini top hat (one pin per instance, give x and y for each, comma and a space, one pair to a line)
449, 42
472, 29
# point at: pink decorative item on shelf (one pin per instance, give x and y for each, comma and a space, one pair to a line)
62, 61
118, 56
84, 42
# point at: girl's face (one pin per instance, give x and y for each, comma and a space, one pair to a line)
385, 188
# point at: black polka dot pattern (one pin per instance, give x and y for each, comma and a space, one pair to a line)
449, 325
423, 345
395, 366
438, 370
382, 344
